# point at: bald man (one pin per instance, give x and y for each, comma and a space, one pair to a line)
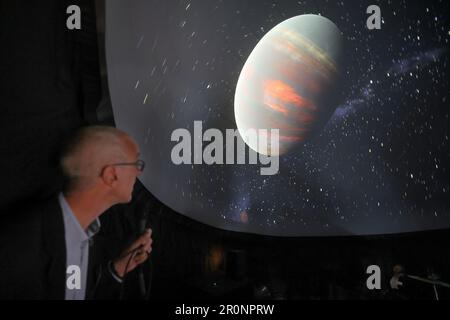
64, 259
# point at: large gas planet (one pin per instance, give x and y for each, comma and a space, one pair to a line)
290, 81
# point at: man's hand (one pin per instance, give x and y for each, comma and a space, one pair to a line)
143, 246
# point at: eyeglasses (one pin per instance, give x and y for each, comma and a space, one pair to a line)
139, 164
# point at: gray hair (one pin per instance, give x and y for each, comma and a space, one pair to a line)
87, 151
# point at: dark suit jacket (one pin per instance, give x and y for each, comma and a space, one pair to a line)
33, 257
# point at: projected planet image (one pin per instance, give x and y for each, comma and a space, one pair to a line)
362, 114
290, 81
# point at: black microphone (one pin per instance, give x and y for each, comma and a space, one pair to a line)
142, 224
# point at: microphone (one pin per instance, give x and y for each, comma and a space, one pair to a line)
142, 224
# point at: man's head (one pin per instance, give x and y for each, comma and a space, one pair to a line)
103, 159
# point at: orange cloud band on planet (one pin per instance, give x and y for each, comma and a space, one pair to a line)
285, 93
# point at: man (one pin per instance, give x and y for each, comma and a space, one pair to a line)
397, 290
67, 260
396, 280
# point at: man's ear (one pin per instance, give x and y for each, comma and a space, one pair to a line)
109, 175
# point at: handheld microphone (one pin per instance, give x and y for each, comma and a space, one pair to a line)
142, 224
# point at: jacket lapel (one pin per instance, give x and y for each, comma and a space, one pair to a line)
54, 249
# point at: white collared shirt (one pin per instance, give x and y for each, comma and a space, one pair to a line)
77, 247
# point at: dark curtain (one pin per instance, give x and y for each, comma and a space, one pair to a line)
49, 85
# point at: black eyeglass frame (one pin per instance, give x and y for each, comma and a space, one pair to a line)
139, 164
